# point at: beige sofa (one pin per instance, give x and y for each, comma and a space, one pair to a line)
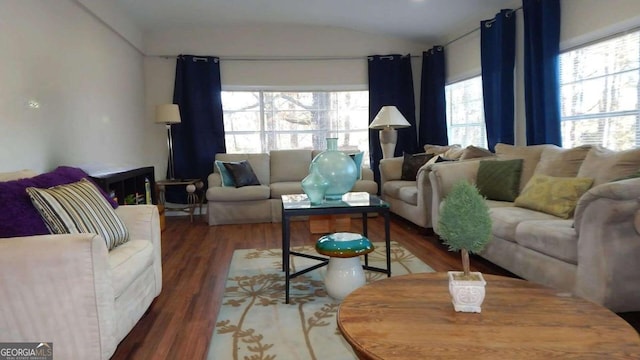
594, 254
411, 199
280, 173
69, 290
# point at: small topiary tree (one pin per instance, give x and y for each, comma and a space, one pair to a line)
464, 222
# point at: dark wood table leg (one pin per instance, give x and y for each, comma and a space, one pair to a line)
365, 233
387, 237
286, 242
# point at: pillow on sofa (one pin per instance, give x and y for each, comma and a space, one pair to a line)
439, 149
412, 163
242, 173
18, 216
604, 165
553, 195
499, 179
225, 175
473, 152
357, 158
79, 208
559, 162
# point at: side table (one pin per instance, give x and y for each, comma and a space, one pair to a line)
194, 194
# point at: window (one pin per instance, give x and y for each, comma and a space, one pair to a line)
599, 93
465, 113
260, 121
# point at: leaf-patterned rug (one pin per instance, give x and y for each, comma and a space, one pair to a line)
254, 323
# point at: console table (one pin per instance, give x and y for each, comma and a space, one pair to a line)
351, 203
411, 317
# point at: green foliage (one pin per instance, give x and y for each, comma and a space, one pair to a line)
464, 219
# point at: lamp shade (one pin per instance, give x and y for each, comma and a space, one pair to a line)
389, 117
167, 114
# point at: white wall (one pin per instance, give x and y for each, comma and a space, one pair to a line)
88, 82
582, 21
267, 42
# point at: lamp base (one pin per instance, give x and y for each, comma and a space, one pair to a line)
388, 139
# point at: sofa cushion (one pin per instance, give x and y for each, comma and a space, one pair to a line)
553, 195
411, 163
21, 218
506, 219
529, 154
392, 188
128, 261
556, 161
289, 165
285, 188
604, 165
409, 194
225, 175
247, 193
242, 173
439, 149
474, 152
499, 180
79, 208
368, 186
555, 238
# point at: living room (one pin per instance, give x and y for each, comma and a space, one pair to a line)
82, 80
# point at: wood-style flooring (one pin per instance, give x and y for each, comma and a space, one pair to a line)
195, 261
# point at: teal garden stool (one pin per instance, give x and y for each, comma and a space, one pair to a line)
344, 272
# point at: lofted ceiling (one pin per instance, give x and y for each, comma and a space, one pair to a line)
419, 20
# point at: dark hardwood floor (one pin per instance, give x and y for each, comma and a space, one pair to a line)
195, 261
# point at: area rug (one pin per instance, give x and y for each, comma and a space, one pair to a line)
254, 323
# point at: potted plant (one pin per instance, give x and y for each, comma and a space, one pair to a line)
465, 225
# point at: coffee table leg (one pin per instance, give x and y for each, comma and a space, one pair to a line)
387, 237
285, 255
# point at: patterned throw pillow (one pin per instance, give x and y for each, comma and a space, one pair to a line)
79, 208
499, 179
411, 164
553, 195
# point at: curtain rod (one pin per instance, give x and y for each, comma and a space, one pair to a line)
280, 58
472, 31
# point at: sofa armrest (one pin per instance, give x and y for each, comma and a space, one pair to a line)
58, 288
390, 169
609, 245
214, 179
442, 177
367, 174
143, 223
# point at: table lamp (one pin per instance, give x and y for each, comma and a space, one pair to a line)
388, 119
168, 114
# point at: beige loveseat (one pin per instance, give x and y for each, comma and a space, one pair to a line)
411, 199
69, 290
595, 253
280, 173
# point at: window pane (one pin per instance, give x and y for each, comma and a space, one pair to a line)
465, 113
296, 120
599, 93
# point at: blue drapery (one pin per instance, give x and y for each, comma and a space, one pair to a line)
497, 55
541, 73
200, 135
391, 83
433, 112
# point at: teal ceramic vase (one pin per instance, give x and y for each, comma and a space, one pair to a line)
314, 185
337, 168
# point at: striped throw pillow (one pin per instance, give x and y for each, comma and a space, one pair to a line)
79, 208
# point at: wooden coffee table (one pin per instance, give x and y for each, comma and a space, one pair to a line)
411, 317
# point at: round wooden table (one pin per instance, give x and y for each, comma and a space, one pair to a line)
411, 317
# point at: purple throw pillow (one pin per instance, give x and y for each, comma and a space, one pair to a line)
19, 217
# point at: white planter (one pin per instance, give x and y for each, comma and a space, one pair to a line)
466, 295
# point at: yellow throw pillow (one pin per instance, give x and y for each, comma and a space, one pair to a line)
553, 195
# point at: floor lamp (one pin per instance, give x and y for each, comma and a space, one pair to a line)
389, 119
168, 114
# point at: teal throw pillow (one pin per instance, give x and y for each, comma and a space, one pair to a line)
357, 158
499, 179
227, 179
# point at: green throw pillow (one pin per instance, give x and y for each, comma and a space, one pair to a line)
499, 179
412, 163
553, 195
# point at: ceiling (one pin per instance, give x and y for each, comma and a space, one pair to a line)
419, 20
